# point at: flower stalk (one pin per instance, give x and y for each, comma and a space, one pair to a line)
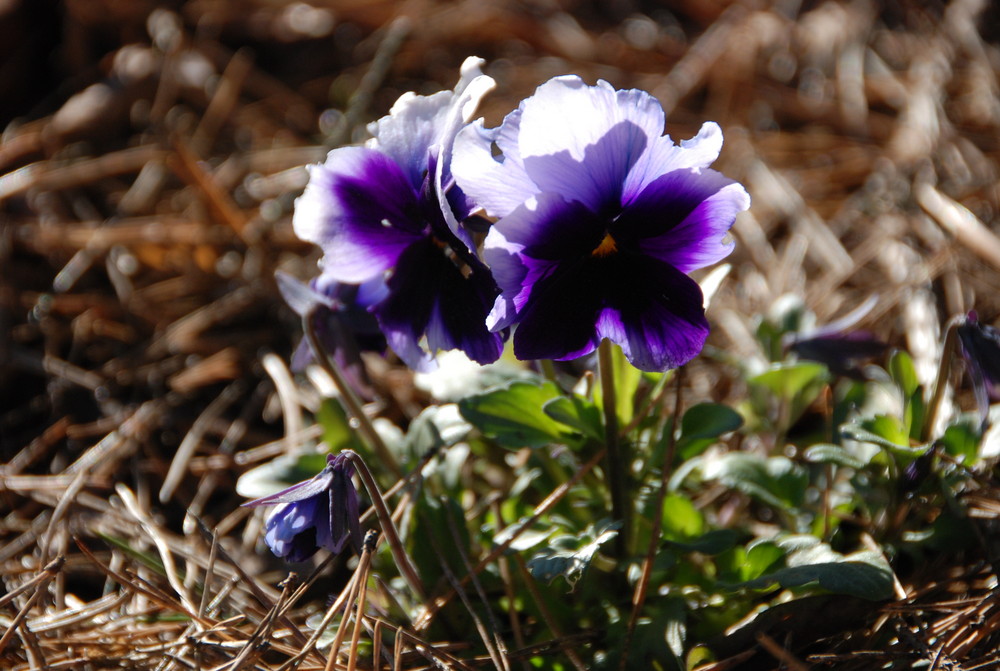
616, 462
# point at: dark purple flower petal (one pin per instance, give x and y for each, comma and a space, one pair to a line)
601, 216
526, 247
341, 320
654, 312
559, 320
842, 353
834, 344
682, 218
980, 345
297, 492
650, 309
429, 295
361, 210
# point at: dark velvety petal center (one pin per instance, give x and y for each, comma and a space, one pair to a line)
429, 295
558, 322
379, 193
649, 308
652, 310
303, 546
665, 203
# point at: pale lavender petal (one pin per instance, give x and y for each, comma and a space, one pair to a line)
581, 141
470, 91
299, 296
297, 492
663, 156
496, 184
410, 130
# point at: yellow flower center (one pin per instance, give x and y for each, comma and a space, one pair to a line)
606, 248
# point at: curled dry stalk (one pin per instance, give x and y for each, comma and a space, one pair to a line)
399, 554
944, 371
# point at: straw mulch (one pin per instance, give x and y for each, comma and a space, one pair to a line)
151, 155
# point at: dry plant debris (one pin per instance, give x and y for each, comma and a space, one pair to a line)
148, 168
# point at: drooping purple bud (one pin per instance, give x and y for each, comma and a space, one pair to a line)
321, 512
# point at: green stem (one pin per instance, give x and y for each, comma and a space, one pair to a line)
548, 369
350, 400
641, 588
617, 458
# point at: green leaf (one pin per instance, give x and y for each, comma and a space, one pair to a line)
702, 425
962, 438
150, 560
514, 417
793, 385
338, 433
681, 520
627, 379
865, 575
789, 380
432, 538
760, 557
577, 413
435, 427
568, 556
885, 431
710, 543
825, 453
777, 481
903, 373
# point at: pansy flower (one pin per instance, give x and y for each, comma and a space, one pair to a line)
600, 218
390, 210
321, 512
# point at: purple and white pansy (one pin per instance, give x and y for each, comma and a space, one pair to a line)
599, 219
390, 209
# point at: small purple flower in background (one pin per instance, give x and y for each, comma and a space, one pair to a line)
342, 320
980, 346
321, 512
390, 210
835, 345
600, 218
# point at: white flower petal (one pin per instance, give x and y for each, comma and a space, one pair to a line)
497, 186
